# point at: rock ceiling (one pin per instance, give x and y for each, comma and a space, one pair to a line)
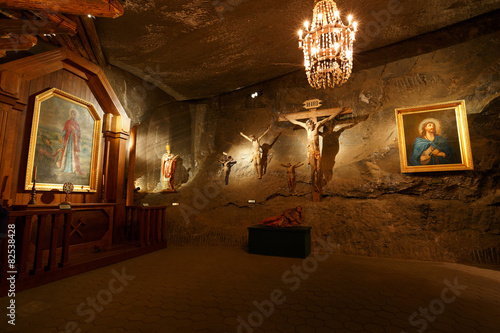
199, 48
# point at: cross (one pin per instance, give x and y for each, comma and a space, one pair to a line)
314, 145
314, 114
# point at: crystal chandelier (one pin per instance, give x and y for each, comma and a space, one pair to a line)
328, 46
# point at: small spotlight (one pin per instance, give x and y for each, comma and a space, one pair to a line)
251, 201
175, 204
90, 16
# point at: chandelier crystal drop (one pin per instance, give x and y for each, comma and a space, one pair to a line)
328, 46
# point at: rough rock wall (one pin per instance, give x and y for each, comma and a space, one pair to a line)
137, 96
368, 207
189, 129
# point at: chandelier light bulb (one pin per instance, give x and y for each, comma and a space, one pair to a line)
306, 24
349, 18
355, 25
300, 34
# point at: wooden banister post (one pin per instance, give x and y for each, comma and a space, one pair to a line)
68, 218
52, 263
142, 225
37, 262
163, 224
158, 224
23, 256
148, 226
5, 256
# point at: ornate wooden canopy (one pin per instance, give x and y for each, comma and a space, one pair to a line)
26, 22
102, 8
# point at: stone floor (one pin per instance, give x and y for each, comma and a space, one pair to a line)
224, 289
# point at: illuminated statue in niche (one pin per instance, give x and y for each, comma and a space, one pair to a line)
168, 161
291, 174
257, 151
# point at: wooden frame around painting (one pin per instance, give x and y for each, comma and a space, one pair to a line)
434, 138
64, 144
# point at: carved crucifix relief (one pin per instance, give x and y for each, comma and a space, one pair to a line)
312, 126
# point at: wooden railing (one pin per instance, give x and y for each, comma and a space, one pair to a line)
146, 225
28, 261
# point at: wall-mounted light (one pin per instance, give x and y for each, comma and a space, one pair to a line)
256, 94
175, 204
251, 201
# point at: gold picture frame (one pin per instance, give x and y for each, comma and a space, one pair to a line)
434, 137
64, 143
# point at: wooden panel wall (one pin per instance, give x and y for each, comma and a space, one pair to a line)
8, 135
70, 83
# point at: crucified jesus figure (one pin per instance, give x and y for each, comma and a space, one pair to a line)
227, 164
290, 176
313, 149
257, 151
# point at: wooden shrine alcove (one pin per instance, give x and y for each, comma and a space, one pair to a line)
20, 82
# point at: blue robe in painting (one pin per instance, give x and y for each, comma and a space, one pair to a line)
422, 144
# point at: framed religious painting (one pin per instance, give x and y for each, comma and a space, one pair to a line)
434, 138
64, 143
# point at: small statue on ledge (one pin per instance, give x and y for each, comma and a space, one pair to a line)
288, 218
